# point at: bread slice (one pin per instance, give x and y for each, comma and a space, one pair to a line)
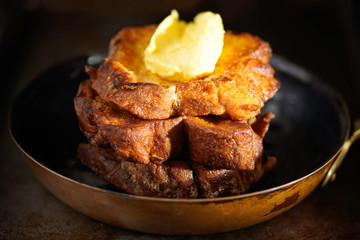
226, 182
241, 82
132, 138
224, 144
232, 96
262, 123
173, 179
212, 141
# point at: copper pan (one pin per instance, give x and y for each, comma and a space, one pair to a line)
311, 128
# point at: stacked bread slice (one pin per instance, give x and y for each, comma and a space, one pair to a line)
155, 137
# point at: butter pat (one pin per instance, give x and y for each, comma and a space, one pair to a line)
183, 51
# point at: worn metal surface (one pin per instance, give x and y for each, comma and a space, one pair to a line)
175, 217
29, 211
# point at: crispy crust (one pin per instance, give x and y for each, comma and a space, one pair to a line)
129, 44
219, 143
213, 141
136, 121
132, 138
225, 182
146, 100
262, 123
241, 82
172, 180
228, 95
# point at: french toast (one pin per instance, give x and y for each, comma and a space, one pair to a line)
221, 143
241, 82
225, 182
173, 179
132, 138
212, 141
177, 137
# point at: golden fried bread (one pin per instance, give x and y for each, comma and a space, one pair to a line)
230, 96
225, 182
128, 47
242, 54
137, 122
224, 144
132, 138
241, 81
262, 74
146, 100
213, 141
173, 179
262, 123
248, 56
83, 103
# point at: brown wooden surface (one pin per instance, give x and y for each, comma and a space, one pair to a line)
319, 36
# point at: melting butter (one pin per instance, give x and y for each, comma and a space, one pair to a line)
183, 51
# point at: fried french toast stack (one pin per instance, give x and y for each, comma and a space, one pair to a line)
155, 137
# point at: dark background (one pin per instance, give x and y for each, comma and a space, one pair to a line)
320, 35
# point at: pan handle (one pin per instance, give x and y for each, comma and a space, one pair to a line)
330, 175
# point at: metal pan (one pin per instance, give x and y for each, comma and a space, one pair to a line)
311, 127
